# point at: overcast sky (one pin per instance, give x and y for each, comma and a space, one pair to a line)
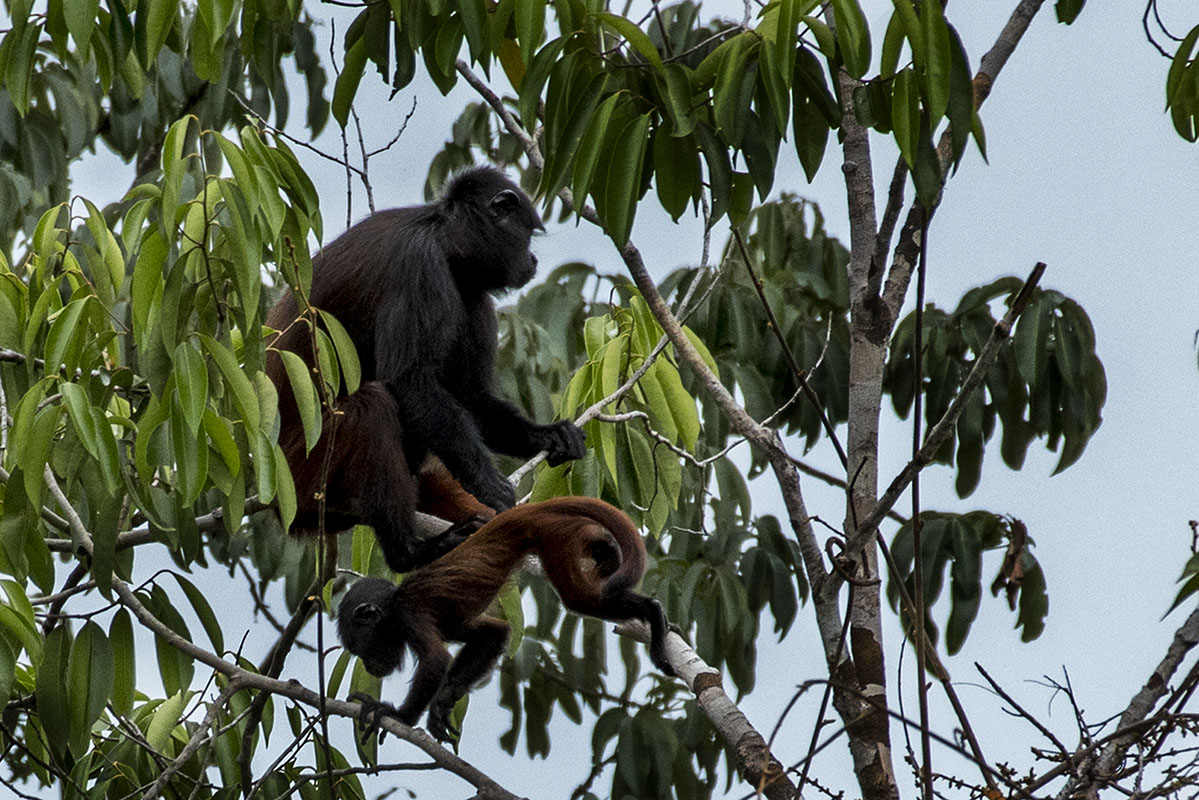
1085, 173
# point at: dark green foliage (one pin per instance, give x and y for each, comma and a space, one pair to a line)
1047, 381
76, 92
958, 541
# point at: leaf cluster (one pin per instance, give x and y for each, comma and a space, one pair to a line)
122, 74
1048, 382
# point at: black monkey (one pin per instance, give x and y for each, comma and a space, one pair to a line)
590, 551
413, 287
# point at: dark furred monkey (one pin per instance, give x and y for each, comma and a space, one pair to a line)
413, 287
588, 549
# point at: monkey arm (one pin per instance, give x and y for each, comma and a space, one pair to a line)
506, 430
432, 664
483, 640
435, 420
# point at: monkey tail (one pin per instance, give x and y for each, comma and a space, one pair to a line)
590, 550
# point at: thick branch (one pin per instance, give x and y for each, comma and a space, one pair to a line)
292, 689
757, 763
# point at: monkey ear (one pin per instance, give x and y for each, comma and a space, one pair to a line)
505, 202
367, 614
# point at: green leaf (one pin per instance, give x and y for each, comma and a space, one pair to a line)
731, 96
89, 682
158, 17
635, 36
109, 274
720, 170
175, 667
78, 409
961, 111
534, 81
8, 669
346, 86
285, 489
742, 197
173, 168
62, 343
124, 669
926, 173
21, 51
191, 379
529, 16
1034, 602
243, 391
905, 115
203, 611
674, 85
191, 457
476, 28
81, 21
623, 184
776, 88
810, 130
166, 717
591, 145
853, 37
677, 171
216, 14
938, 59
910, 21
305, 395
893, 41
53, 707
1068, 10
347, 353
1179, 64
582, 104
682, 405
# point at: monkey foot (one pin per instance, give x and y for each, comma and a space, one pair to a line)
439, 725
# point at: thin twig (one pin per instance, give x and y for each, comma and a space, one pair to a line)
801, 377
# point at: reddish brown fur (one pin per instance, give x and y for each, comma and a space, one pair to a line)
589, 550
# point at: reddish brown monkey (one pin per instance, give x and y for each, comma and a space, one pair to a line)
589, 550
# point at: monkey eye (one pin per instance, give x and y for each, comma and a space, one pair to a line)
367, 614
505, 203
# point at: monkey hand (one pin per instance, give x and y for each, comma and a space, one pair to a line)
494, 490
372, 713
562, 441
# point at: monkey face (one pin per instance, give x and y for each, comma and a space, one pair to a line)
363, 630
489, 225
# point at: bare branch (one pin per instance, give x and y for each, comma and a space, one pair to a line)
1093, 773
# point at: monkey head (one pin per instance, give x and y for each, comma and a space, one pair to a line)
362, 629
489, 225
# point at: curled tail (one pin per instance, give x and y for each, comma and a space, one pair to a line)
590, 550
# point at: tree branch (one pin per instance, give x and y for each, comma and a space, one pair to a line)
940, 432
1094, 772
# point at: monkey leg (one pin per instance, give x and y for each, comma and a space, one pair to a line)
367, 480
484, 640
442, 496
